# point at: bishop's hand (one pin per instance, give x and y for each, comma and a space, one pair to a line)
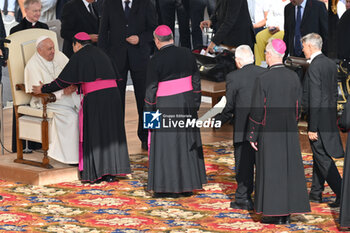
254, 145
37, 89
134, 40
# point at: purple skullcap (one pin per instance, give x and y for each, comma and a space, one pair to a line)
163, 30
82, 36
279, 46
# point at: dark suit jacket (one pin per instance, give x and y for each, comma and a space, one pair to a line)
239, 91
115, 28
76, 18
320, 101
343, 36
232, 24
315, 19
2, 35
25, 24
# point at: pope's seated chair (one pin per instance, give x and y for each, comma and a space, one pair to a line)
32, 123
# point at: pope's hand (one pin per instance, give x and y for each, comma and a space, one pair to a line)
69, 90
37, 89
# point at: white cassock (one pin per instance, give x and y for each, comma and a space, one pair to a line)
64, 127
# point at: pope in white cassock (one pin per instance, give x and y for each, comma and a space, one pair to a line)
44, 67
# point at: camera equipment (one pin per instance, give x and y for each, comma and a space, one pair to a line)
5, 51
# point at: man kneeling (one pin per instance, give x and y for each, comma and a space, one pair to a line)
43, 67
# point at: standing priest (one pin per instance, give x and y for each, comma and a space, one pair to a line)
103, 151
280, 188
176, 162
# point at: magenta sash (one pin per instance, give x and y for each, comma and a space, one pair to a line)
176, 86
171, 87
88, 88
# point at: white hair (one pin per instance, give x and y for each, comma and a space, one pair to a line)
29, 2
314, 39
244, 54
272, 50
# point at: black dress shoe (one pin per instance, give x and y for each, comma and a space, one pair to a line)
95, 181
277, 220
165, 195
186, 194
144, 145
242, 205
108, 178
315, 199
335, 204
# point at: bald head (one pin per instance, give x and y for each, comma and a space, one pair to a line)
243, 56
46, 49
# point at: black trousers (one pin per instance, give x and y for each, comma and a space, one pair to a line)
139, 83
197, 15
167, 14
197, 8
244, 163
324, 169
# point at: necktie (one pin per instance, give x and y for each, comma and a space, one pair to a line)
297, 34
127, 8
92, 12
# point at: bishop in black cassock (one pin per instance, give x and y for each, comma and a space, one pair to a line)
280, 188
176, 161
103, 152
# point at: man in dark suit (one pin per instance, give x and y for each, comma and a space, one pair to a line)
197, 8
78, 16
239, 91
320, 101
126, 33
32, 9
33, 12
231, 23
302, 17
167, 9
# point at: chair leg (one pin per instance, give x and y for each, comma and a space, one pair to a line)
45, 142
19, 141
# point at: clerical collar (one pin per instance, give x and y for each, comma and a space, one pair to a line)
30, 23
276, 66
312, 57
166, 46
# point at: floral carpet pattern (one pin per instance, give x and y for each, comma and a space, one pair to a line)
125, 206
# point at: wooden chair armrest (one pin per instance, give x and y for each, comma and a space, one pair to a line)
45, 97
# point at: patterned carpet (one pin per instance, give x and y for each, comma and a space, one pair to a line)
124, 206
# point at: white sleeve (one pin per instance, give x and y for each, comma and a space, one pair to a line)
32, 76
